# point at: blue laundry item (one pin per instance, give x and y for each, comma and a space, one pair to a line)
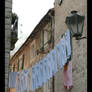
68, 43
33, 78
63, 49
25, 82
18, 82
53, 61
39, 75
12, 79
30, 79
44, 70
35, 83
36, 72
61, 52
49, 65
41, 78
22, 82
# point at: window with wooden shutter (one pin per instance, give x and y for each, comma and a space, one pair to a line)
46, 36
50, 36
18, 65
22, 66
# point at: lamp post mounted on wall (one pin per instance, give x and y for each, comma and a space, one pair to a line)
75, 24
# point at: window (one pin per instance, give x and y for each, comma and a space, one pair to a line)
59, 2
18, 65
22, 66
46, 37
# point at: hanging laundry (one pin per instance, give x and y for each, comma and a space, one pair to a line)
68, 43
22, 81
67, 76
37, 75
47, 67
33, 78
41, 75
12, 79
44, 70
18, 82
25, 81
61, 52
63, 48
49, 63
29, 87
59, 59
53, 61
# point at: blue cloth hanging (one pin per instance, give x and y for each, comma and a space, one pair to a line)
61, 52
12, 79
53, 64
68, 43
49, 68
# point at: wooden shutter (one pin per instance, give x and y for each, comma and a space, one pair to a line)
42, 40
50, 36
22, 62
50, 32
18, 65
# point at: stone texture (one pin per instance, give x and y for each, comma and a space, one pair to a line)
79, 48
8, 21
8, 11
8, 4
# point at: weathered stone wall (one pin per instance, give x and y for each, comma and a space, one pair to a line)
8, 12
79, 47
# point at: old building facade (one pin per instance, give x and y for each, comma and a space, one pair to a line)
38, 44
52, 26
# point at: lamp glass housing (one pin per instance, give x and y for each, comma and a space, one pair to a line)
75, 24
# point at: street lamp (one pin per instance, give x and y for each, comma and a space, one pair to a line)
75, 24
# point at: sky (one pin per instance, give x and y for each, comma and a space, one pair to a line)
30, 12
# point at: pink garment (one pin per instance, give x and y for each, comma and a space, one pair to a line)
67, 76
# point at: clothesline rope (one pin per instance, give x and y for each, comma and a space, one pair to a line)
48, 66
47, 42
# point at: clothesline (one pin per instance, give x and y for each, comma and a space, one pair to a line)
47, 42
47, 67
